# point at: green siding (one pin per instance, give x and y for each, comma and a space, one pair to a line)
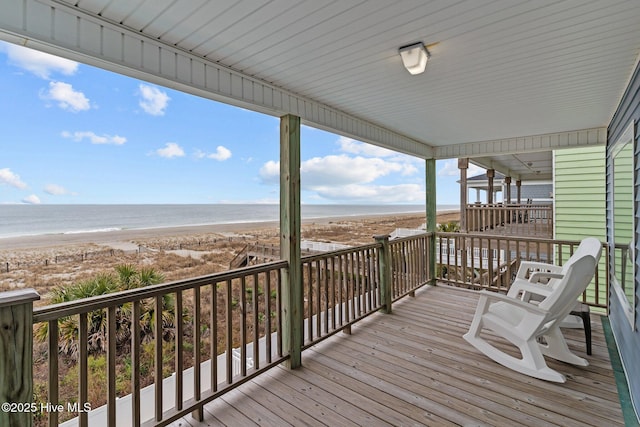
580, 200
579, 193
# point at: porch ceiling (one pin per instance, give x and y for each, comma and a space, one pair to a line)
504, 76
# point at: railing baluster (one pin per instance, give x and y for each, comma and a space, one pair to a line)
53, 370
325, 284
309, 303
279, 312
111, 366
243, 326
267, 320
256, 325
198, 413
356, 284
179, 354
135, 364
318, 299
83, 362
334, 302
229, 331
158, 357
213, 344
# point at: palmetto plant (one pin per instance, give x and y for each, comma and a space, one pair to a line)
449, 227
127, 277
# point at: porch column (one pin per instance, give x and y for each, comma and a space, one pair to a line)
292, 312
463, 165
490, 174
430, 193
519, 190
16, 354
507, 194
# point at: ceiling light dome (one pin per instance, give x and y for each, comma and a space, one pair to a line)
414, 57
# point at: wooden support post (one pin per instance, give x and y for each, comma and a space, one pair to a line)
386, 281
519, 191
430, 186
16, 354
463, 165
507, 182
292, 298
491, 173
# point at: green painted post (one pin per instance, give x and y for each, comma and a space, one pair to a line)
292, 298
384, 266
430, 186
16, 356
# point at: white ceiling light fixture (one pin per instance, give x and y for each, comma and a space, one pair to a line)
414, 57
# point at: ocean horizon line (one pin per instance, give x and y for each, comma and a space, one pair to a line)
20, 221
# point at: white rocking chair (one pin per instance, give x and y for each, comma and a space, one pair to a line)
524, 323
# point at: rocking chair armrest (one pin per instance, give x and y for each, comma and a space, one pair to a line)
526, 266
486, 297
528, 289
535, 277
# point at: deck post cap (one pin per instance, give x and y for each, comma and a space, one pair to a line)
18, 296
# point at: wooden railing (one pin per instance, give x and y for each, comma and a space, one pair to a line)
228, 327
525, 220
479, 261
169, 349
410, 268
340, 288
238, 310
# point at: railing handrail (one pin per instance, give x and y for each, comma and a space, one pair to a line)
85, 305
339, 252
510, 205
523, 239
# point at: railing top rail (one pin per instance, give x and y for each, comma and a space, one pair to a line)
409, 238
511, 206
324, 255
501, 237
56, 311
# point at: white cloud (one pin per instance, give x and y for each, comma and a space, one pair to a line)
221, 154
153, 101
93, 138
12, 179
400, 193
66, 97
171, 149
32, 200
342, 169
57, 190
337, 170
270, 172
349, 178
39, 63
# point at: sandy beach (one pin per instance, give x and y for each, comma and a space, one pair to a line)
45, 261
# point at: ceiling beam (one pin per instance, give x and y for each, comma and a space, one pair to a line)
525, 144
58, 28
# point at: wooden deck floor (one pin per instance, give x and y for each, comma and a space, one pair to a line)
413, 368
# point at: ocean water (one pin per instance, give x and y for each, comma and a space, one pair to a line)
24, 220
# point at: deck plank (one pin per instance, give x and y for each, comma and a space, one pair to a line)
413, 367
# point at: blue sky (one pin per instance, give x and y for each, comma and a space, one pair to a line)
76, 134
